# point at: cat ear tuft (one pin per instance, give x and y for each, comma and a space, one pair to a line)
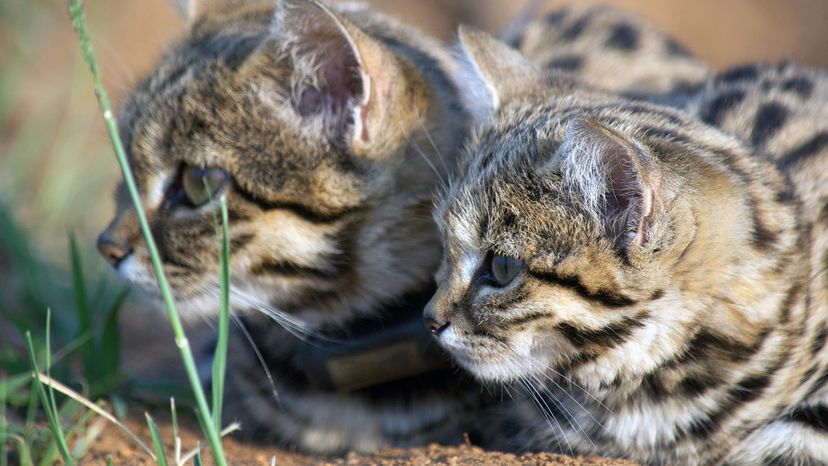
613, 177
490, 72
328, 71
356, 83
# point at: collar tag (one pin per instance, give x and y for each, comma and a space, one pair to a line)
392, 352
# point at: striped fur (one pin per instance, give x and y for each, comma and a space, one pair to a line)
334, 127
324, 228
673, 303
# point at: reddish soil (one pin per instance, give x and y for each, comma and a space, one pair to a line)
124, 451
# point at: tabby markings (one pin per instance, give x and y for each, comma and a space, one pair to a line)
623, 37
716, 110
611, 335
807, 149
770, 117
606, 297
815, 417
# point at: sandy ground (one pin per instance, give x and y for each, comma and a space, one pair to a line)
124, 451
149, 351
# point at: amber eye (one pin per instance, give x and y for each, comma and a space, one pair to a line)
202, 184
502, 270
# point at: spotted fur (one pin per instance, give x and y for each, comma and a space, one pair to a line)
607, 48
674, 301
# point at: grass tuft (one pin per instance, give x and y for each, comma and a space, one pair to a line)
48, 402
204, 415
157, 443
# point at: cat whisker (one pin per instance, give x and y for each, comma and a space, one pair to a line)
580, 405
577, 425
561, 388
243, 329
291, 324
584, 390
546, 414
573, 421
436, 151
425, 158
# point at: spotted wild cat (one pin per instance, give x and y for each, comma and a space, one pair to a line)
324, 128
656, 286
328, 130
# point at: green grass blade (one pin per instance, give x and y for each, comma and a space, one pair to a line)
23, 452
220, 356
174, 414
110, 343
212, 434
157, 444
31, 412
88, 351
62, 444
197, 460
51, 411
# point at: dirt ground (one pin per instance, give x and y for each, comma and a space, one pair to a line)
149, 351
125, 452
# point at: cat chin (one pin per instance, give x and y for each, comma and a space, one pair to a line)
502, 371
508, 367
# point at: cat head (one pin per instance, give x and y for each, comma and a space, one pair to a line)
303, 121
584, 233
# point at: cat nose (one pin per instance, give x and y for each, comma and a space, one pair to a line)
113, 251
434, 324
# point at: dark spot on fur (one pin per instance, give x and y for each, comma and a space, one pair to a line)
715, 111
762, 237
770, 117
800, 85
805, 150
739, 73
240, 241
567, 63
623, 37
572, 32
786, 195
554, 18
815, 417
819, 340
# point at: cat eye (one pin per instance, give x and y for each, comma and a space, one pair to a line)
502, 270
202, 184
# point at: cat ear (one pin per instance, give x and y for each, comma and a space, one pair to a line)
490, 72
352, 80
614, 178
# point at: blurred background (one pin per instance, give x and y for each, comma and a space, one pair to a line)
57, 170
